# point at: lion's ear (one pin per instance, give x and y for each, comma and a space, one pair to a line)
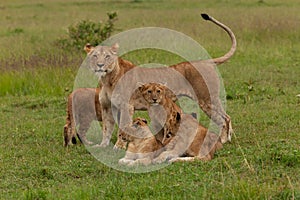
115, 48
88, 48
170, 94
140, 86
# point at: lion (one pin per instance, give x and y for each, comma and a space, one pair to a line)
141, 147
110, 68
180, 136
191, 142
144, 149
161, 107
83, 107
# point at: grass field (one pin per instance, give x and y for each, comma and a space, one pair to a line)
261, 81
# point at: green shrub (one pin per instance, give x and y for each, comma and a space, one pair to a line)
87, 31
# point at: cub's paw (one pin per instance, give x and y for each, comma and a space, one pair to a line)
124, 161
162, 158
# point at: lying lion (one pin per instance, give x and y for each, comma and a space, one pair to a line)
82, 108
141, 147
106, 64
182, 135
193, 141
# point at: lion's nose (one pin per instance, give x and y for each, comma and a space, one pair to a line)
100, 65
154, 100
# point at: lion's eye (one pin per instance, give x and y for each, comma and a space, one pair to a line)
149, 91
107, 57
158, 91
95, 56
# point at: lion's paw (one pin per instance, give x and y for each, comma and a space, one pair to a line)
124, 161
160, 159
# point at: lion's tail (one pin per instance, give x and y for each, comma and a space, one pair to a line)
230, 53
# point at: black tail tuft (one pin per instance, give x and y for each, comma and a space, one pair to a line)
205, 16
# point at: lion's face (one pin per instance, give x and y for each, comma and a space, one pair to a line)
140, 129
153, 93
102, 59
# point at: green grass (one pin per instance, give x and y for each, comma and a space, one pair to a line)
261, 80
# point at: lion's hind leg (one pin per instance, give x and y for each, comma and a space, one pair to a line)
226, 129
67, 136
218, 115
69, 128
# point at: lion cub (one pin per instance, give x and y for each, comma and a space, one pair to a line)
82, 108
192, 141
162, 110
144, 149
182, 134
141, 147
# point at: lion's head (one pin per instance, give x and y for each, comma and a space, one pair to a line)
102, 59
155, 93
140, 130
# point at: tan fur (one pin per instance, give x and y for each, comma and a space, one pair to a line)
192, 140
204, 81
84, 106
159, 103
142, 147
184, 137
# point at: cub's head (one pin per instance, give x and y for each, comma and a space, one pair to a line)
139, 122
140, 130
153, 93
102, 59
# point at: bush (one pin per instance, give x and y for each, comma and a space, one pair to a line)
87, 31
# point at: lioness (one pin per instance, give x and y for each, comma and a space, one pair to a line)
106, 64
83, 107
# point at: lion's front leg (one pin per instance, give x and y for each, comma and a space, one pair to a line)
125, 161
165, 156
126, 114
108, 126
142, 161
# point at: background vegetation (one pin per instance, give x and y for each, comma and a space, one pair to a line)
261, 80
